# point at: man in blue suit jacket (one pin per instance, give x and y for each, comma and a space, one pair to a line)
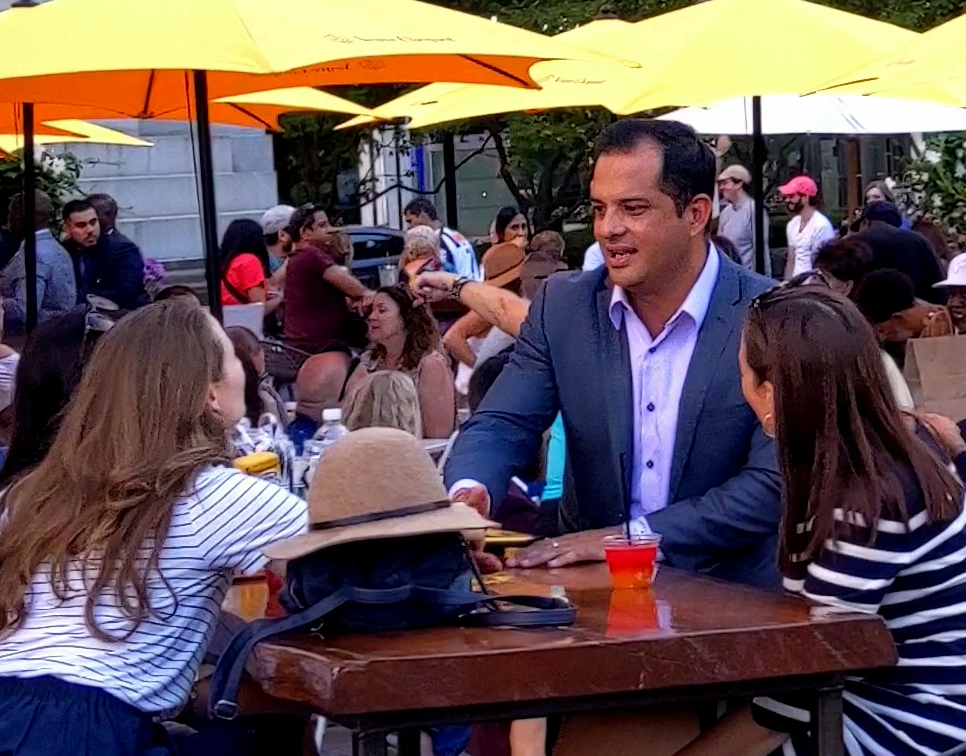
641, 359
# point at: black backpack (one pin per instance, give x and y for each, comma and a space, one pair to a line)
379, 586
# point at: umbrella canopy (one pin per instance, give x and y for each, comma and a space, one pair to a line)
141, 71
260, 111
767, 46
77, 131
564, 83
934, 59
818, 114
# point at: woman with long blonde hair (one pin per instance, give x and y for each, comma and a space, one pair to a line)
117, 550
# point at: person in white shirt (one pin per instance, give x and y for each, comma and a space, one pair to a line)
809, 230
736, 221
456, 252
593, 257
136, 499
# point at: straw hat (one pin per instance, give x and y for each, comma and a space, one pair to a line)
351, 501
503, 263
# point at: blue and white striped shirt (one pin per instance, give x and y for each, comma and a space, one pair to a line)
914, 578
217, 530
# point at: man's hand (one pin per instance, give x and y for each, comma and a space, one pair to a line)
946, 431
565, 550
435, 286
478, 498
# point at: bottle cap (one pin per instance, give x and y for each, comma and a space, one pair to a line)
332, 415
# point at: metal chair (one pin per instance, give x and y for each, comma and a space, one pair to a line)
283, 361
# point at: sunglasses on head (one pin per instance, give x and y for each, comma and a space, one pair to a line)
780, 292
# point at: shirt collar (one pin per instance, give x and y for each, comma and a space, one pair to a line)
695, 305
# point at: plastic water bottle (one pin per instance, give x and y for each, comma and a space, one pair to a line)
331, 431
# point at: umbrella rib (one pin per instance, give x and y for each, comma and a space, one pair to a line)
145, 109
496, 69
254, 117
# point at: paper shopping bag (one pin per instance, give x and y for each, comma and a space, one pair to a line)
936, 373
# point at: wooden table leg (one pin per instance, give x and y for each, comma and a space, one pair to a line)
410, 743
829, 730
369, 744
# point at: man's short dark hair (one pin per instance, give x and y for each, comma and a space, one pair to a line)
76, 206
105, 205
883, 293
302, 218
688, 167
421, 206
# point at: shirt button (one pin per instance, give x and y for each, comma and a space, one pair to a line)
650, 406
650, 464
652, 350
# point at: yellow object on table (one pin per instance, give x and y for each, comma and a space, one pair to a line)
266, 465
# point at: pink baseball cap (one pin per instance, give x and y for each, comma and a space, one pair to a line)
800, 185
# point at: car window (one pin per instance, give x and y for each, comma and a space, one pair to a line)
371, 246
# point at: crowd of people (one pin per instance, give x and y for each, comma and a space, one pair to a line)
762, 431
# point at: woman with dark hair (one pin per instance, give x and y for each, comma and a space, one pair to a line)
49, 372
260, 394
405, 337
511, 226
873, 523
844, 263
245, 266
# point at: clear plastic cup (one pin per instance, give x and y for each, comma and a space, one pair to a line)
632, 561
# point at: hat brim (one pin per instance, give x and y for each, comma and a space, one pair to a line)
455, 518
948, 283
508, 276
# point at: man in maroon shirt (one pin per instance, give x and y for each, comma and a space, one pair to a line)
317, 285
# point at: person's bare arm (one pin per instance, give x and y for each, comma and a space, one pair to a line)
437, 398
457, 337
347, 283
259, 294
497, 307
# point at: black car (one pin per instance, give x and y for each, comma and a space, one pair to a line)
373, 247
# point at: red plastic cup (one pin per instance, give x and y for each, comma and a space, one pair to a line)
632, 561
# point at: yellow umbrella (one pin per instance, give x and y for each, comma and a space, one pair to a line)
564, 83
261, 110
721, 49
936, 58
143, 67
75, 132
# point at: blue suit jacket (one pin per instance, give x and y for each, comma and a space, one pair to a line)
725, 490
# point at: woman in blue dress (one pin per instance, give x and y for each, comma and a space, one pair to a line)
874, 523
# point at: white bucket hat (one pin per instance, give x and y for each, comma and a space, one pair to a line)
956, 275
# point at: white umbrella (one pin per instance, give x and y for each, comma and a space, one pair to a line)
822, 114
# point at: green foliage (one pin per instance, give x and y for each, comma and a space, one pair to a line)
56, 176
935, 187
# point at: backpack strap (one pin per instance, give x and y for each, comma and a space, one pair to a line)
223, 698
533, 611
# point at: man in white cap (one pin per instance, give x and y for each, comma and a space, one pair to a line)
955, 286
809, 230
737, 219
278, 239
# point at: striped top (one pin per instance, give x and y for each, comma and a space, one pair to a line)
913, 578
217, 530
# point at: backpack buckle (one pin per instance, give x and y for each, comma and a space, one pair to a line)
225, 709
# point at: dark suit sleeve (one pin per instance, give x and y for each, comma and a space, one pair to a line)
128, 275
506, 432
738, 514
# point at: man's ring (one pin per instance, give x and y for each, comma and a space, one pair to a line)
555, 544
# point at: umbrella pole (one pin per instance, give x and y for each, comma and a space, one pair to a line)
759, 156
449, 178
206, 176
29, 216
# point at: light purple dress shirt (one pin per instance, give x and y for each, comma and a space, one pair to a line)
659, 366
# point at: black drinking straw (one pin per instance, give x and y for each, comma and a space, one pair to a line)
626, 493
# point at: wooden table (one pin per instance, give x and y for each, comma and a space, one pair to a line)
690, 639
